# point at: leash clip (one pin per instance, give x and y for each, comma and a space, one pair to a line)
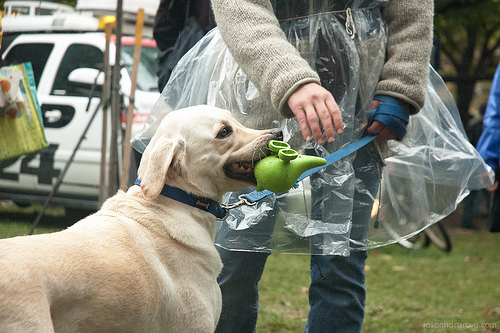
242, 200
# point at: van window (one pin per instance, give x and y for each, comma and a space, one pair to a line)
146, 74
21, 10
44, 11
76, 56
36, 53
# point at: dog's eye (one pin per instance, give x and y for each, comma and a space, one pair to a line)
224, 132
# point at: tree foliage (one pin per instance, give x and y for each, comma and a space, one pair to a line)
468, 35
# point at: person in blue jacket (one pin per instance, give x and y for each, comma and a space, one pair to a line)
489, 146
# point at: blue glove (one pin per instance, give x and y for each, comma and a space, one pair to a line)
391, 113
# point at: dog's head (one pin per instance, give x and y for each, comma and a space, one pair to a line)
203, 150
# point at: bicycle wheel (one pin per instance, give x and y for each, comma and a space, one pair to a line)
416, 242
437, 234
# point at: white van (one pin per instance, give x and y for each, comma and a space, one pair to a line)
35, 8
67, 108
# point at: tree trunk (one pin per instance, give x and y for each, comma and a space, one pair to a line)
464, 96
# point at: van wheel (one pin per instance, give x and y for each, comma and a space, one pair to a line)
76, 214
22, 204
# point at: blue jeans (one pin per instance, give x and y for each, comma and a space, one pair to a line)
337, 292
337, 302
239, 283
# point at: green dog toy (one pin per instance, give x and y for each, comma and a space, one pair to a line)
278, 173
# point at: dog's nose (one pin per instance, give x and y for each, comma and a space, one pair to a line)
277, 133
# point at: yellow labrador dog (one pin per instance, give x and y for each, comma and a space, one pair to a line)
146, 261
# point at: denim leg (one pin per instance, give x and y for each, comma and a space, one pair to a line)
239, 283
337, 293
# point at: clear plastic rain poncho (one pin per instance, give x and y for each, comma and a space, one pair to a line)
424, 180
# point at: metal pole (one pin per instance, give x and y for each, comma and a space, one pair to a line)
130, 112
115, 105
105, 99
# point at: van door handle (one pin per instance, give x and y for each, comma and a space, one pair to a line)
53, 116
57, 115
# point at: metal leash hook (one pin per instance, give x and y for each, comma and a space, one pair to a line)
242, 200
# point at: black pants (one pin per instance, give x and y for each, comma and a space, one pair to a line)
495, 211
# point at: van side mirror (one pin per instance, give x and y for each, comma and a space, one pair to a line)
86, 78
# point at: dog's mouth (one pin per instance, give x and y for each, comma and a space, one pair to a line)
241, 171
242, 168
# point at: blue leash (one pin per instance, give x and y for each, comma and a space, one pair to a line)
252, 197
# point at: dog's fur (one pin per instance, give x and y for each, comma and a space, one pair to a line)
143, 262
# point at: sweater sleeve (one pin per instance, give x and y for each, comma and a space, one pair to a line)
253, 36
409, 43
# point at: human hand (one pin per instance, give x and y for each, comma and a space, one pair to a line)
493, 187
314, 106
385, 132
378, 127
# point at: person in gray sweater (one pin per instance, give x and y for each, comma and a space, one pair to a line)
385, 42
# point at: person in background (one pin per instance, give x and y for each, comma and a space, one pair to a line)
252, 33
472, 203
489, 146
171, 19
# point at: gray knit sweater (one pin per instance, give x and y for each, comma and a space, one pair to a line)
252, 34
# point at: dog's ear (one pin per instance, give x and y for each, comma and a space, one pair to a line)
158, 161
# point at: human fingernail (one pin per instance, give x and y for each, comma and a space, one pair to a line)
308, 139
321, 142
331, 139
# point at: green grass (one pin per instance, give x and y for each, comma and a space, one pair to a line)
15, 221
408, 290
412, 290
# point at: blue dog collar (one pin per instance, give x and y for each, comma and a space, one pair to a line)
205, 204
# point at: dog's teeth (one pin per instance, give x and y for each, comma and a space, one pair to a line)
237, 167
